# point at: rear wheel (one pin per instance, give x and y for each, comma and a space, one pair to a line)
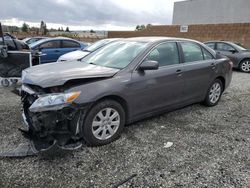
214, 93
104, 123
5, 82
245, 65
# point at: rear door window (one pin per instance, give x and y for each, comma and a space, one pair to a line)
207, 55
224, 47
50, 44
192, 52
165, 54
70, 44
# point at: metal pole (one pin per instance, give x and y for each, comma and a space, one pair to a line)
1, 33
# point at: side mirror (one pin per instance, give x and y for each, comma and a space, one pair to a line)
149, 65
3, 52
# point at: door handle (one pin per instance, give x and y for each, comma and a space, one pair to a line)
56, 51
179, 72
213, 65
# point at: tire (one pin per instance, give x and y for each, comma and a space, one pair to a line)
245, 65
214, 93
99, 128
5, 82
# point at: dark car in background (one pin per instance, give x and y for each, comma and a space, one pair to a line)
79, 54
31, 40
239, 55
51, 49
123, 82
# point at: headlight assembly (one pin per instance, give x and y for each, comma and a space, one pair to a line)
54, 101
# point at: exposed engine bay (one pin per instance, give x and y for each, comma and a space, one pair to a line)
47, 129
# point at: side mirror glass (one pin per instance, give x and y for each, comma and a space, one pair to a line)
149, 65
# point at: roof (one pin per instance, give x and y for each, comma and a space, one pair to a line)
156, 39
50, 39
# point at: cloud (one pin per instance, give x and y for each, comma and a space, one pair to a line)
90, 13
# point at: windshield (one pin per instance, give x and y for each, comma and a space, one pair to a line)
116, 55
97, 45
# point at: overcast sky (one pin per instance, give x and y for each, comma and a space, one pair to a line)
87, 14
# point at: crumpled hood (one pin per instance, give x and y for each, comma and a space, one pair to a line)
55, 74
75, 55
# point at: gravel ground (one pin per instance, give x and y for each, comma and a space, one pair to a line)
211, 148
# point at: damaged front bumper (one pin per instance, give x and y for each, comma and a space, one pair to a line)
49, 129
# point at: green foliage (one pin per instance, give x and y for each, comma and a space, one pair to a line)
142, 27
25, 27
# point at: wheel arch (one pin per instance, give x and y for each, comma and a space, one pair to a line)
223, 81
243, 59
118, 99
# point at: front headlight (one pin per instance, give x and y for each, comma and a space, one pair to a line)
54, 101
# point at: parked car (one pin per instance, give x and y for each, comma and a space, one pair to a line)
121, 83
239, 55
51, 49
31, 40
79, 54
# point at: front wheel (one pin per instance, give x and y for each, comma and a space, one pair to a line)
214, 93
104, 123
245, 66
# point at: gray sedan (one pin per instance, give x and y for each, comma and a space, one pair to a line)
91, 100
239, 55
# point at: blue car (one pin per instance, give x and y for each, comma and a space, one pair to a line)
51, 49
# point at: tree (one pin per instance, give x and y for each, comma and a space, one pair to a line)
140, 27
43, 28
148, 26
92, 31
25, 27
143, 27
67, 29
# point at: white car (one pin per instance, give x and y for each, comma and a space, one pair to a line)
79, 54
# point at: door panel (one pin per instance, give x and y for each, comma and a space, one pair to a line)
197, 72
153, 90
51, 51
156, 89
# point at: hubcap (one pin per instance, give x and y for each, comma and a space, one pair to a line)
105, 123
214, 93
245, 66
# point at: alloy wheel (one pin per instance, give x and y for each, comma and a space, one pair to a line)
245, 66
105, 123
215, 92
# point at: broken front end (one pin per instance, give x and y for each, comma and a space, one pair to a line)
51, 118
